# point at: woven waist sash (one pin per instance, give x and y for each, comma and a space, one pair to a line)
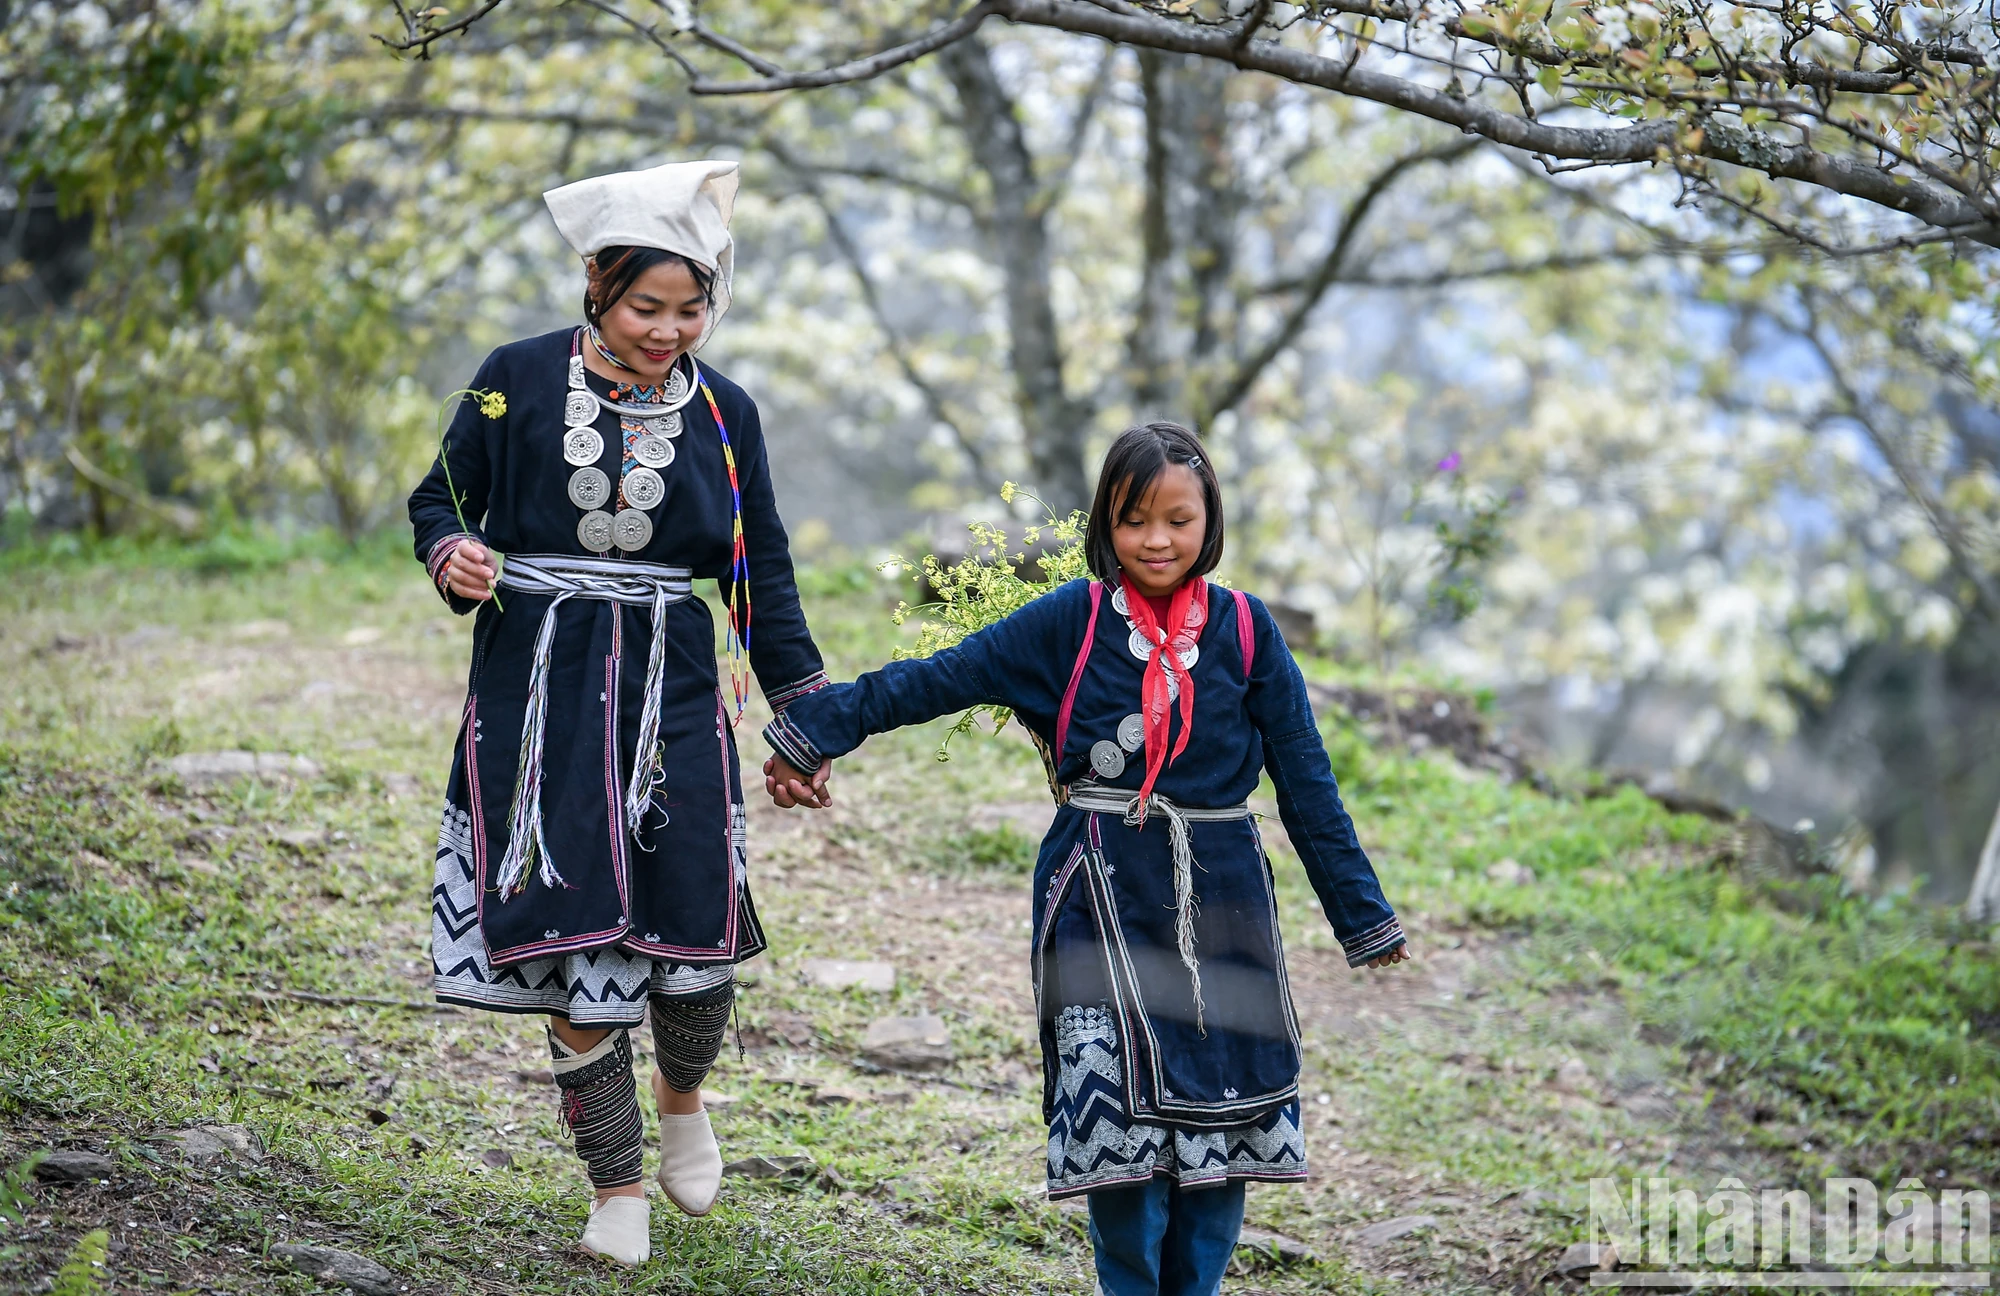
1093, 798
635, 584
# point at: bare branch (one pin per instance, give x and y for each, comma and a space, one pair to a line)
737, 50
1246, 373
861, 69
419, 32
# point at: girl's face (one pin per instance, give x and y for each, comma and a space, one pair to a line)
660, 316
1157, 538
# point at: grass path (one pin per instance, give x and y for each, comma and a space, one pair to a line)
153, 942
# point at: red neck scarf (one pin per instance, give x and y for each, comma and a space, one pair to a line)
1186, 612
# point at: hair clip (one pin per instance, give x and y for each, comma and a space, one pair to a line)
1195, 463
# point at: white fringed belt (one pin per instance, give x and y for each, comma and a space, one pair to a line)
1093, 798
636, 584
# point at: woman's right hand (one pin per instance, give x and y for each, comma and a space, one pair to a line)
470, 572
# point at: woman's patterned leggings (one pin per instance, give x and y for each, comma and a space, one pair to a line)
600, 1101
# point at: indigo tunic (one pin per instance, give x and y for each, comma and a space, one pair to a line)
1106, 969
674, 892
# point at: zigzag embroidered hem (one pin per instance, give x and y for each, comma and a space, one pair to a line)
601, 987
1093, 1144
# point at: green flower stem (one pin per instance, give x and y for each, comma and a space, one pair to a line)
493, 405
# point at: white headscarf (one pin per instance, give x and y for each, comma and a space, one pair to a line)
683, 207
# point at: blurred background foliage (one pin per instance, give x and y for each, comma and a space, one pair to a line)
1688, 497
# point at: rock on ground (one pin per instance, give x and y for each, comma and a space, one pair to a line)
206, 771
1269, 1245
1400, 1227
921, 1043
1573, 1076
68, 1165
770, 1167
218, 1143
1588, 1257
839, 974
1510, 872
331, 1264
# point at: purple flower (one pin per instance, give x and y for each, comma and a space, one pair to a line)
1449, 463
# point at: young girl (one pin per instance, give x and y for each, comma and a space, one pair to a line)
1170, 1051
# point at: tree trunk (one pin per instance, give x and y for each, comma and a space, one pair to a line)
1983, 905
1054, 424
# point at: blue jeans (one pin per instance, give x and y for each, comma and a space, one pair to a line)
1152, 1239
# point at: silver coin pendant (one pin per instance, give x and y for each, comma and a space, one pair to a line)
580, 409
1197, 614
653, 452
666, 425
677, 386
582, 445
593, 531
1141, 646
631, 530
1188, 653
576, 373
1132, 732
589, 488
644, 488
1108, 759
1119, 603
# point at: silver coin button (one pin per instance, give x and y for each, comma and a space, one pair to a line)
631, 530
593, 531
644, 488
580, 409
652, 451
589, 488
1132, 732
1108, 759
582, 445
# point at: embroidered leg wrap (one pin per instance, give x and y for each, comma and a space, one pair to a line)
687, 1035
600, 1104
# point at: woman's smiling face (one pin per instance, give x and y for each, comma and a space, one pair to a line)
658, 319
1158, 537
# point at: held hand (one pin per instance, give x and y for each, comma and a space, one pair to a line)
470, 572
788, 787
1398, 955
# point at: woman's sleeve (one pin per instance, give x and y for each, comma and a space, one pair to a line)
445, 493
782, 652
1309, 801
1012, 663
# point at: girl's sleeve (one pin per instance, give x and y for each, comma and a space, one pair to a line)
1309, 801
1017, 663
782, 652
433, 514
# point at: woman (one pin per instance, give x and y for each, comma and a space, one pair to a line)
591, 860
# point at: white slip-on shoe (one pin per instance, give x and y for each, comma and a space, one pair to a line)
620, 1230
690, 1163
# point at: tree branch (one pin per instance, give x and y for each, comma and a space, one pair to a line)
419, 32
861, 69
1245, 376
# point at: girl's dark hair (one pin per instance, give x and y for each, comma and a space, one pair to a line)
1131, 466
610, 274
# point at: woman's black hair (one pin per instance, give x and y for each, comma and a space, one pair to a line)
1131, 466
611, 273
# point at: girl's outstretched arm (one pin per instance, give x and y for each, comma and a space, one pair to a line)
1309, 804
1022, 662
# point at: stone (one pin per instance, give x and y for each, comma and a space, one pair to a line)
715, 1100
921, 1043
497, 1159
300, 839
207, 771
218, 1143
1510, 872
330, 1264
839, 974
771, 1167
1274, 1247
535, 1076
1573, 1076
1390, 1230
1588, 1257
835, 1097
361, 635
69, 1165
